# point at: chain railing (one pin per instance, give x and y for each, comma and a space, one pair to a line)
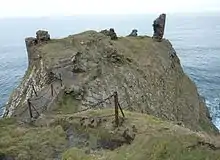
52, 92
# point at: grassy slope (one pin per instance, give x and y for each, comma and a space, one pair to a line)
155, 139
29, 142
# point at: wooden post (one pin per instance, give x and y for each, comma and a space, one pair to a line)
121, 109
51, 86
29, 108
116, 109
34, 90
35, 109
61, 82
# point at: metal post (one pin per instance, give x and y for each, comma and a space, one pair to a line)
51, 86
35, 109
116, 109
121, 109
29, 108
34, 90
61, 82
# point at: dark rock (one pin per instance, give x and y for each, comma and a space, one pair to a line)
88, 151
111, 33
158, 27
134, 129
121, 121
133, 33
179, 123
105, 32
90, 122
5, 157
110, 144
30, 41
128, 135
172, 53
203, 144
42, 36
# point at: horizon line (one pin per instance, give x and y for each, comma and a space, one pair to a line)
108, 14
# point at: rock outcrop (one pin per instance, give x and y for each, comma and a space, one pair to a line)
134, 33
42, 36
111, 33
159, 26
147, 76
31, 42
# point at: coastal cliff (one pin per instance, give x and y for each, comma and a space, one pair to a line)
63, 107
146, 74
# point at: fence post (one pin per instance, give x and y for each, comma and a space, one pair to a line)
34, 90
61, 81
29, 108
35, 109
51, 86
116, 108
121, 109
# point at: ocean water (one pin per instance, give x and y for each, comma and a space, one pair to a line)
196, 38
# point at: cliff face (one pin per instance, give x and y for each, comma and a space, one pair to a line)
146, 74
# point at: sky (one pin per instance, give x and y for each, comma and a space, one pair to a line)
37, 8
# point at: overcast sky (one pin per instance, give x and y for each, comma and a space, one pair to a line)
29, 8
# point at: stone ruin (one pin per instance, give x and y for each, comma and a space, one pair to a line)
133, 33
111, 33
41, 36
159, 26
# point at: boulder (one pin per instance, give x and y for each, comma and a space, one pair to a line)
128, 135
158, 27
133, 33
42, 36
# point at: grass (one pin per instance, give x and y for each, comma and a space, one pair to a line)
67, 105
75, 154
155, 139
206, 126
27, 143
164, 147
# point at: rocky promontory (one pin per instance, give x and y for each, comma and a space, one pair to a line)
146, 74
63, 107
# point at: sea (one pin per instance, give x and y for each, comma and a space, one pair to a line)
195, 37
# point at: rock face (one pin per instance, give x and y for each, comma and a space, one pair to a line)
147, 76
133, 33
159, 26
31, 42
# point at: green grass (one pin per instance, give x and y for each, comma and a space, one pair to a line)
76, 154
68, 104
155, 139
27, 143
164, 147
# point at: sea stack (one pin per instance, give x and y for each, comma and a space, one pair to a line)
159, 27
